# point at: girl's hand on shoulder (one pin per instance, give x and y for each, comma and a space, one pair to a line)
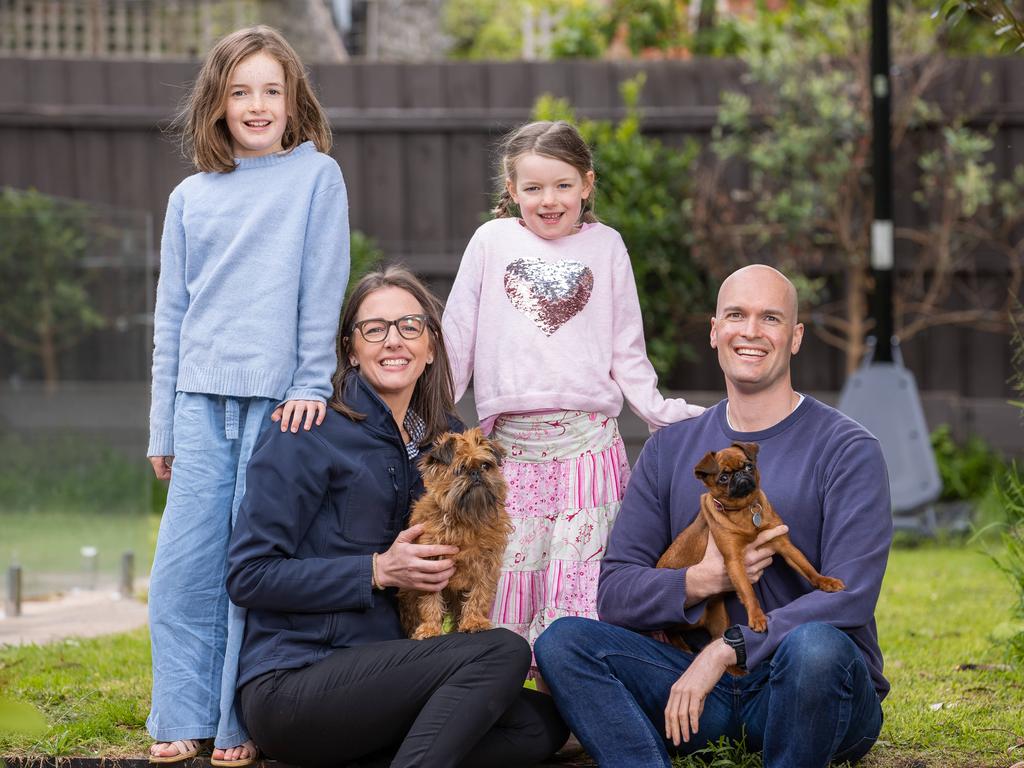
162, 466
299, 413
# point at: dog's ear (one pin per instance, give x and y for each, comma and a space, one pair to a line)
498, 451
444, 449
749, 449
708, 467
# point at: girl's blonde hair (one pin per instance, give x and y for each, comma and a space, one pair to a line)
556, 139
204, 133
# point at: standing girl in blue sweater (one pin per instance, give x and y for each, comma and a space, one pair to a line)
253, 267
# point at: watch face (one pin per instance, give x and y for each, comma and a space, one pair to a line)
733, 634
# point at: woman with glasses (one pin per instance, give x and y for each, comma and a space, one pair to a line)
320, 548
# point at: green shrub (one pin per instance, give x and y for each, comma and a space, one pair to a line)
364, 256
642, 189
967, 470
69, 473
1011, 494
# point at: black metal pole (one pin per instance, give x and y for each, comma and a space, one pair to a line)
881, 227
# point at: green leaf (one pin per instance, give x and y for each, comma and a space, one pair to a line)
18, 717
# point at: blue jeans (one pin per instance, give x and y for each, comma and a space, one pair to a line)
810, 704
196, 632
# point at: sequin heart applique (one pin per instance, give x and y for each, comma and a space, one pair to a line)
550, 294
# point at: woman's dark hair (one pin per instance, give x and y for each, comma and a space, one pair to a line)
556, 139
433, 399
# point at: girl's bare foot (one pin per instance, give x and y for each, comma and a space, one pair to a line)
174, 751
235, 757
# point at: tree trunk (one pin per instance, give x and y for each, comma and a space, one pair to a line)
48, 357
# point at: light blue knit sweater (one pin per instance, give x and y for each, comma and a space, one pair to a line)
253, 269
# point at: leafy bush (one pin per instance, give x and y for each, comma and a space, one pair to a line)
46, 302
642, 188
967, 470
364, 255
1011, 494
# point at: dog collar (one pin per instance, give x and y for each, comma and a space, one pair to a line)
755, 511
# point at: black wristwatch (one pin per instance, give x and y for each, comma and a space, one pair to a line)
734, 639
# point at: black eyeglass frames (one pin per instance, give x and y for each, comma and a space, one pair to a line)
375, 329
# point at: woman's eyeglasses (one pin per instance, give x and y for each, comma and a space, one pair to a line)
375, 329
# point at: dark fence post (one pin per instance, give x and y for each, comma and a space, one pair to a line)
12, 603
127, 574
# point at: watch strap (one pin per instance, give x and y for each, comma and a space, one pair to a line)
733, 637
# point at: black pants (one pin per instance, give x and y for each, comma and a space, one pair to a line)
455, 700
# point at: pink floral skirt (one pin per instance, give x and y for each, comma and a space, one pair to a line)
566, 473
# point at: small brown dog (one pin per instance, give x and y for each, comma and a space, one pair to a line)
734, 511
464, 505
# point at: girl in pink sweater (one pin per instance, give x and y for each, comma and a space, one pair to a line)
544, 316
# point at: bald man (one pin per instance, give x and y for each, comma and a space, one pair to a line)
813, 689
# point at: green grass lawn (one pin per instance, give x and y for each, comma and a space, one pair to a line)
939, 608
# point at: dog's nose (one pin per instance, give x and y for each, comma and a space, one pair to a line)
742, 484
474, 475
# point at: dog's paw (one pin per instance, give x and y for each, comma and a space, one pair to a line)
828, 584
474, 624
425, 630
759, 622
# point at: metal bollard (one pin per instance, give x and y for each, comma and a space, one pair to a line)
127, 574
90, 566
12, 603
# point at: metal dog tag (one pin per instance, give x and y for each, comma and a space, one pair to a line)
756, 517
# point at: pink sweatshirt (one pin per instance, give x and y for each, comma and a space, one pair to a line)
552, 324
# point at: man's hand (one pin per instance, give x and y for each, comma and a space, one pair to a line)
687, 695
710, 577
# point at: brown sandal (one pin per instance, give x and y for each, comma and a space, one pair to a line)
187, 749
242, 762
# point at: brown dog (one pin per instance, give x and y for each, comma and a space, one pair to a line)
734, 511
464, 505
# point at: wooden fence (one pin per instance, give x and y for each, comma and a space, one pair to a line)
416, 143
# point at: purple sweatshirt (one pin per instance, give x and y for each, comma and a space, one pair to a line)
825, 476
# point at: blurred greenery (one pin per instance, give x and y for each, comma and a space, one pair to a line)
967, 470
493, 29
19, 718
69, 473
364, 257
45, 302
640, 191
1011, 493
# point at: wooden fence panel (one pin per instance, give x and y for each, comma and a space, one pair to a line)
417, 145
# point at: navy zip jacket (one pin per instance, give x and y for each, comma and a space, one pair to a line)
317, 505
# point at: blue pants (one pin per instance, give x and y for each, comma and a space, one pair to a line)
195, 630
811, 703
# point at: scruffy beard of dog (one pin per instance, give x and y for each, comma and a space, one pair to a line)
734, 511
464, 505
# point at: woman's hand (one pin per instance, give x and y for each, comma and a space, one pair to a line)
406, 564
291, 414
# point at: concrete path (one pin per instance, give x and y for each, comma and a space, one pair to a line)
77, 614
